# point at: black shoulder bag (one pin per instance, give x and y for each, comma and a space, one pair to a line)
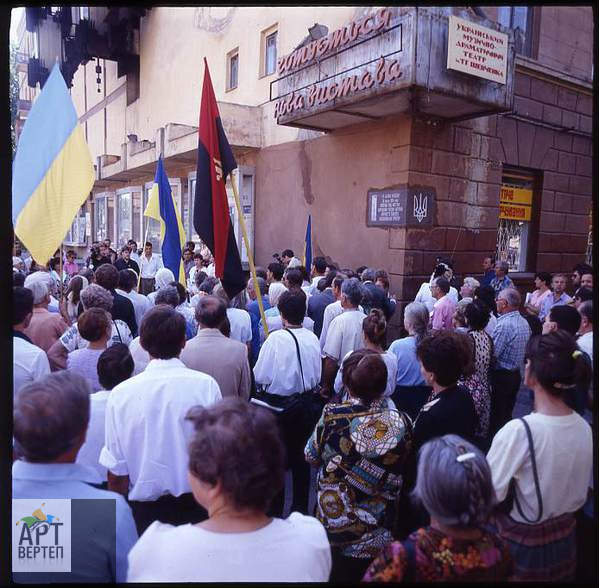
511, 499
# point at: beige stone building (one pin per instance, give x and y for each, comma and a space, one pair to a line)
351, 114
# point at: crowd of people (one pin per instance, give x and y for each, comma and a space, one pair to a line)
308, 444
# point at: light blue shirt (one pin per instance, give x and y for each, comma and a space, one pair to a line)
550, 302
408, 366
510, 337
95, 556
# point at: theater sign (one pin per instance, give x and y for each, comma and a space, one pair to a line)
392, 60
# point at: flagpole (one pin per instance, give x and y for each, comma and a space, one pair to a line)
60, 272
249, 251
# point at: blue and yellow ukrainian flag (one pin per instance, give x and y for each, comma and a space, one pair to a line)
53, 172
161, 207
307, 256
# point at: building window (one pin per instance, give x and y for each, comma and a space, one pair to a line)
101, 218
516, 203
519, 18
268, 53
83, 12
124, 218
232, 69
76, 233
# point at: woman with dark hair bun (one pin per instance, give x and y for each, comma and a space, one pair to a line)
362, 448
374, 329
477, 317
236, 467
545, 459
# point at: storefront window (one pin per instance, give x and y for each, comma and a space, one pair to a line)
515, 215
124, 220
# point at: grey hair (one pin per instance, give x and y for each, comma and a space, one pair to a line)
503, 266
95, 296
167, 295
460, 311
471, 282
50, 414
457, 494
511, 296
586, 310
352, 290
261, 284
368, 274
418, 316
38, 286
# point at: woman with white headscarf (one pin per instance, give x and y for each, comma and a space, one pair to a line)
164, 277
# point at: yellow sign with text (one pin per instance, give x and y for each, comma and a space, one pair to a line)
510, 195
514, 212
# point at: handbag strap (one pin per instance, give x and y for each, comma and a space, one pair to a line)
117, 330
535, 476
299, 358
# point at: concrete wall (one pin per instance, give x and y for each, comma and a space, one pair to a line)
328, 177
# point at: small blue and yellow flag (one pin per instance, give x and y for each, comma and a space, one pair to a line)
53, 172
161, 207
307, 257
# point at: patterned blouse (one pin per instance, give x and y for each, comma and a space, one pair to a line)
362, 452
478, 382
429, 555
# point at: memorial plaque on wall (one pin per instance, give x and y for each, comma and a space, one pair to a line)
400, 207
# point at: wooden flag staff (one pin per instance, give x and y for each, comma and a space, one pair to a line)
249, 251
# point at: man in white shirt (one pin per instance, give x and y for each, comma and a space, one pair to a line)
585, 332
133, 248
319, 268
289, 260
239, 319
345, 332
332, 310
149, 264
146, 434
29, 361
280, 372
127, 287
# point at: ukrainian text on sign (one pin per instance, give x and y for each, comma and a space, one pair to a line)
477, 50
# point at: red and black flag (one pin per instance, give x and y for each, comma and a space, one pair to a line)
211, 218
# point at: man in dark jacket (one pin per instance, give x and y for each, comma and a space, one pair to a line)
320, 300
107, 276
374, 297
125, 261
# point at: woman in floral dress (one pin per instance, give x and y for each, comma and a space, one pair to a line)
477, 317
362, 448
454, 485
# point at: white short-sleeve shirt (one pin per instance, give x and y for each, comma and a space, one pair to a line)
564, 454
241, 324
295, 549
30, 363
146, 432
89, 454
71, 339
278, 368
344, 334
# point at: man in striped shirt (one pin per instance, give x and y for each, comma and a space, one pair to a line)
510, 337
